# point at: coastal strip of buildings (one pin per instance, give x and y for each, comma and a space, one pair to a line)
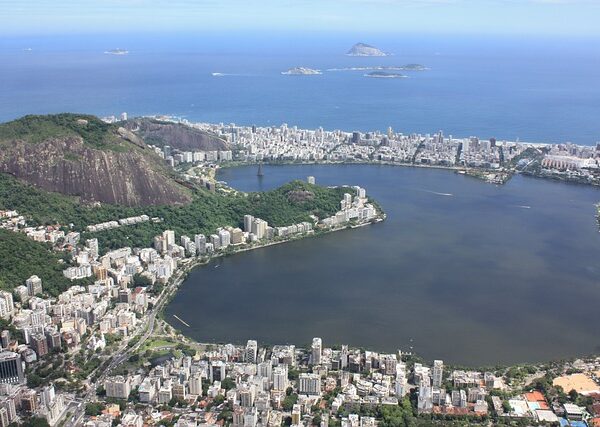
493, 157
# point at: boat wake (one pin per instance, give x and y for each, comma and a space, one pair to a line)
439, 194
227, 75
523, 206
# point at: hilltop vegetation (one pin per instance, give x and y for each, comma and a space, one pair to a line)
206, 211
21, 257
35, 129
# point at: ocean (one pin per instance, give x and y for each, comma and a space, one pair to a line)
538, 90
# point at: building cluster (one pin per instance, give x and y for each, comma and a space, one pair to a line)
291, 144
354, 208
287, 144
109, 225
53, 234
251, 386
175, 157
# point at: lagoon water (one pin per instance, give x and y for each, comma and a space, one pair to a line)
461, 270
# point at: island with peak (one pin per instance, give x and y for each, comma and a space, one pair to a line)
301, 71
363, 49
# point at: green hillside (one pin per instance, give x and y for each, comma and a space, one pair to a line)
37, 128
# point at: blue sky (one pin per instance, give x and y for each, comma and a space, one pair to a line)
512, 17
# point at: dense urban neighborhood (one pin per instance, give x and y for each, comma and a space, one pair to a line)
99, 352
490, 159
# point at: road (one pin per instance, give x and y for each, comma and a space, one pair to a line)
122, 353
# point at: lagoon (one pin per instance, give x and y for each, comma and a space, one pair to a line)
462, 270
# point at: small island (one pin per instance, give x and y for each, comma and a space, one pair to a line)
408, 67
116, 52
363, 49
301, 71
385, 75
414, 67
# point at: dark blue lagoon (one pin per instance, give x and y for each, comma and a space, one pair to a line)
461, 270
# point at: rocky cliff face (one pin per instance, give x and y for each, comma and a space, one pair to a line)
176, 135
124, 172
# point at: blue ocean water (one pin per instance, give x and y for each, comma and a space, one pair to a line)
541, 90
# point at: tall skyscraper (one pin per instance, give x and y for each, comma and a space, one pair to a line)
438, 373
248, 219
11, 368
251, 351
317, 350
34, 285
280, 378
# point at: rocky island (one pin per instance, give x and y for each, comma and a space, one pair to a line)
301, 71
363, 49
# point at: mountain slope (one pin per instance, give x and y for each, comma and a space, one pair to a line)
82, 156
175, 135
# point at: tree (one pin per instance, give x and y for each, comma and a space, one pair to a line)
289, 402
36, 422
141, 280
94, 408
573, 395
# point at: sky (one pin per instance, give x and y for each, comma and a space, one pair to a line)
509, 17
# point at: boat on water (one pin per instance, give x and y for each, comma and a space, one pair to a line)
260, 170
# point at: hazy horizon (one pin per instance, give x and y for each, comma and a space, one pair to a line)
467, 17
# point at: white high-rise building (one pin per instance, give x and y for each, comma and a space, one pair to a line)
344, 357
93, 246
34, 285
438, 373
200, 241
425, 400
400, 386
248, 219
169, 236
6, 304
259, 228
317, 350
280, 378
251, 351
309, 384
224, 237
118, 387
264, 369
196, 384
